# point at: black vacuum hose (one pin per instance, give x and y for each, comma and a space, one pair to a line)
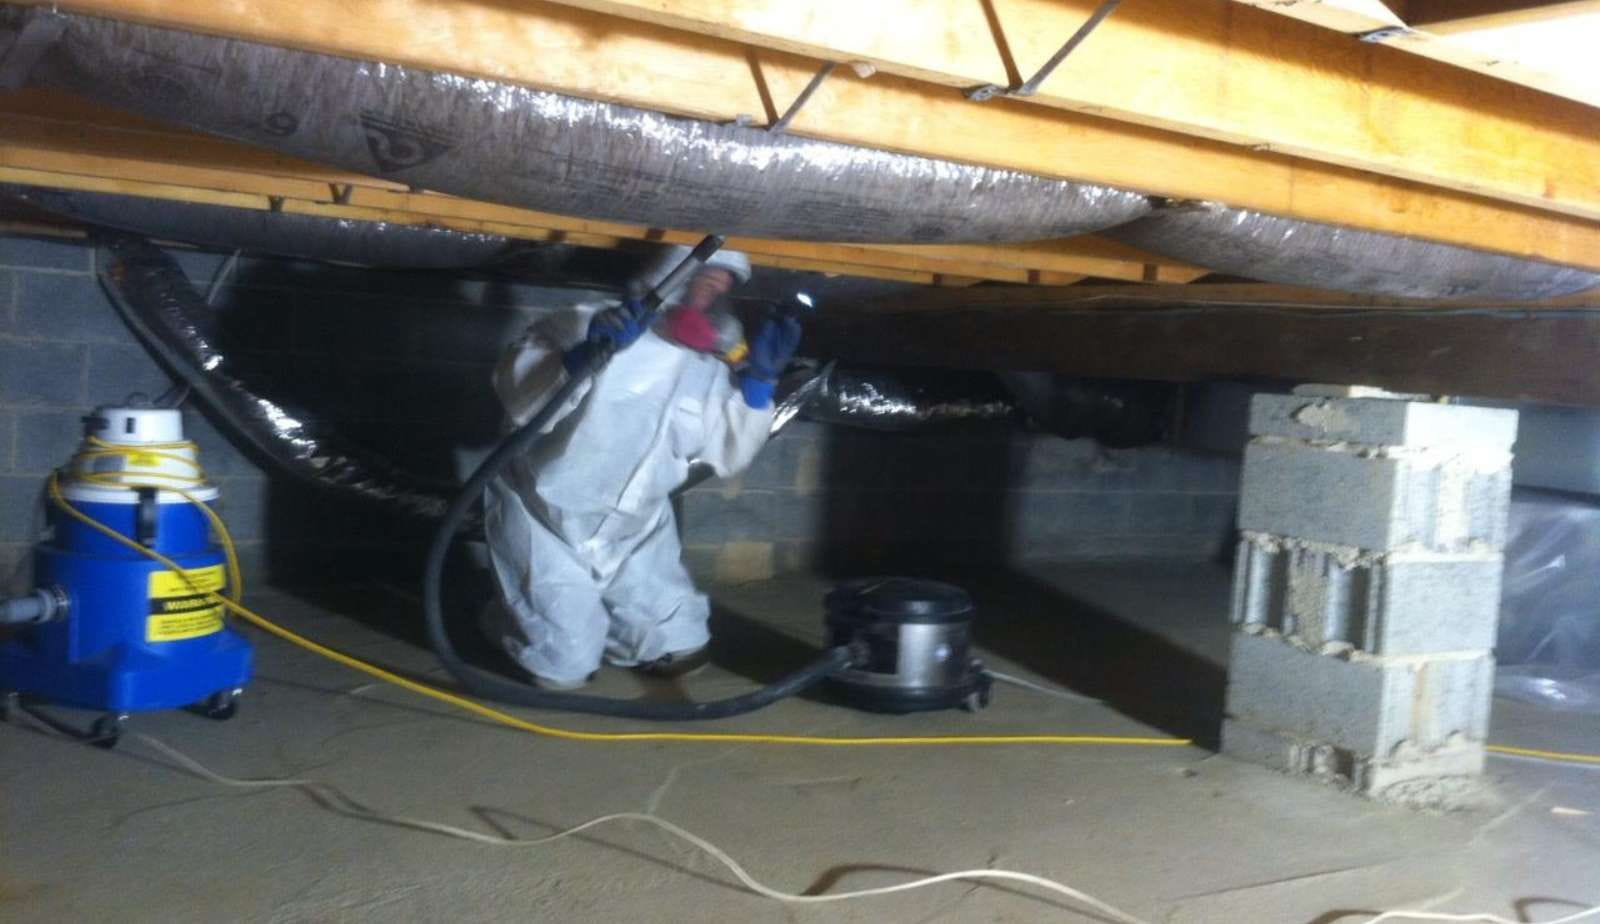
490, 686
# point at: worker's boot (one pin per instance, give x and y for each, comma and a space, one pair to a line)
560, 686
677, 663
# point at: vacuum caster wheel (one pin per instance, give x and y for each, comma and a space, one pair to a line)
221, 706
107, 730
975, 701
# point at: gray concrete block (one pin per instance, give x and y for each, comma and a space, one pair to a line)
21, 500
1161, 514
701, 562
798, 516
797, 555
775, 466
8, 301
713, 518
1367, 705
8, 427
59, 306
1215, 514
1378, 503
219, 455
46, 440
34, 373
1046, 516
1383, 422
1049, 463
245, 507
1381, 778
1399, 604
1207, 473
16, 568
1186, 548
117, 371
46, 253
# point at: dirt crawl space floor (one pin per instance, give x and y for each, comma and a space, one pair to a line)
1174, 834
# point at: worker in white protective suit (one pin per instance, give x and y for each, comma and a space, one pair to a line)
580, 529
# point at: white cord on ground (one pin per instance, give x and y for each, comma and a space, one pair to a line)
1475, 918
354, 808
750, 882
1041, 688
721, 856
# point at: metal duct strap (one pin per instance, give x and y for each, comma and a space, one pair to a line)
1303, 253
506, 143
176, 324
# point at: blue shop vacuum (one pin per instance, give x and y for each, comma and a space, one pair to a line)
106, 627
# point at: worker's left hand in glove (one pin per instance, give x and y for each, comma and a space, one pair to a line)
770, 351
610, 331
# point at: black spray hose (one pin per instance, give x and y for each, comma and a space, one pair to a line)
490, 686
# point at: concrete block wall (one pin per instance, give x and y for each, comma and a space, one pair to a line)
848, 501
399, 362
1367, 587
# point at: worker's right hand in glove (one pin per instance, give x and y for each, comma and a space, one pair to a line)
770, 352
610, 331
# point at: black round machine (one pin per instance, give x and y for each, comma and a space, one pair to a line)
914, 644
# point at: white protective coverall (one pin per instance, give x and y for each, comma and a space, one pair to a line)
580, 529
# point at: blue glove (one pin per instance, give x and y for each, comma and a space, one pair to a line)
610, 331
770, 352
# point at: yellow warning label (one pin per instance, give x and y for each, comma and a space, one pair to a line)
181, 605
173, 627
173, 584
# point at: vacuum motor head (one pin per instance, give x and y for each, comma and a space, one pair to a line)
915, 644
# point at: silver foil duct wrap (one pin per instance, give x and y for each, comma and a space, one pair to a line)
1302, 253
506, 143
340, 240
175, 323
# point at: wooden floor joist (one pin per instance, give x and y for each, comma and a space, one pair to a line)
1547, 46
80, 147
594, 55
1206, 68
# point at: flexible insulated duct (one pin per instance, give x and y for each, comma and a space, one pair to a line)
1303, 253
882, 399
340, 240
506, 143
176, 324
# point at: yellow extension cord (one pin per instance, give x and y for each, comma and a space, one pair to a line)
233, 605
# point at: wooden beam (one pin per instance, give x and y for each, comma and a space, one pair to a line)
1205, 68
1538, 358
586, 54
1349, 16
1556, 62
1440, 16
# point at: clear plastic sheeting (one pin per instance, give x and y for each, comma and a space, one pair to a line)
1549, 643
505, 143
1302, 253
339, 240
178, 327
